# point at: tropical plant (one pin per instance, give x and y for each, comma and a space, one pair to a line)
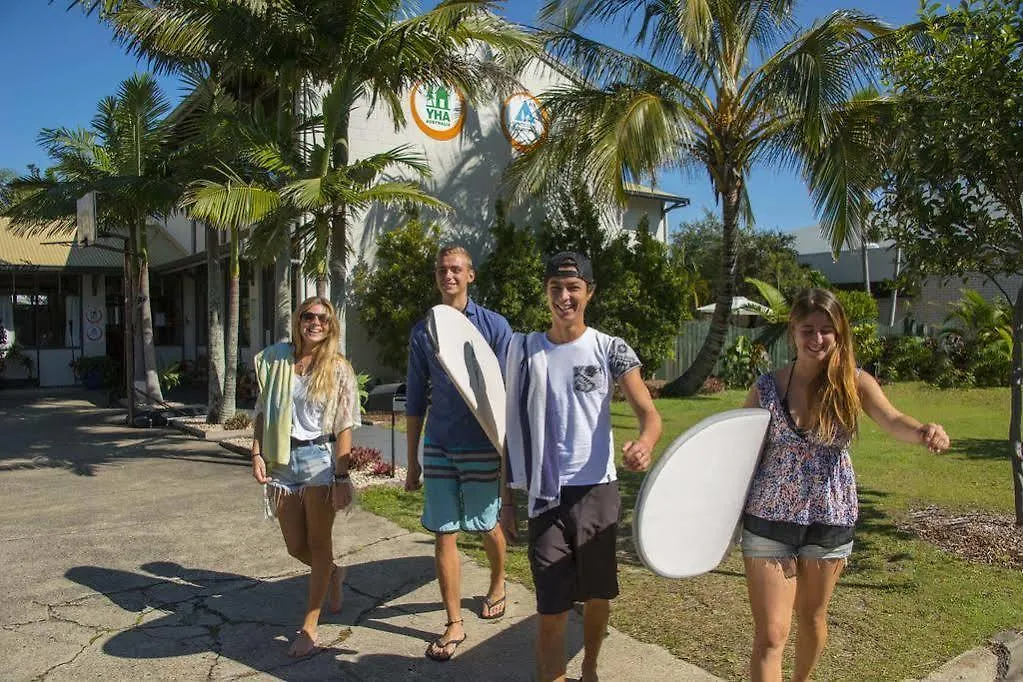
397, 291
128, 159
978, 319
365, 53
744, 361
700, 98
775, 308
953, 199
14, 355
859, 306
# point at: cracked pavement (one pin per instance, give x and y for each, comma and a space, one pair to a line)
133, 554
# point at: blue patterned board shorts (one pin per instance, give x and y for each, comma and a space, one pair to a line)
462, 488
309, 465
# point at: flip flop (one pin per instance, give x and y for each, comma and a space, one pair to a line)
442, 646
313, 648
491, 605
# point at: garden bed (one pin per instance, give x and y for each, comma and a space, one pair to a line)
197, 426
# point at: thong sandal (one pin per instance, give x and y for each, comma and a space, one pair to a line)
495, 604
438, 645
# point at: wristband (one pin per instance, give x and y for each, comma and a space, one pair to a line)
340, 478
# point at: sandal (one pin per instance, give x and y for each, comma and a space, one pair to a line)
495, 604
300, 648
438, 645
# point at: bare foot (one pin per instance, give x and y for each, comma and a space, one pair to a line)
443, 648
589, 674
336, 596
494, 603
303, 645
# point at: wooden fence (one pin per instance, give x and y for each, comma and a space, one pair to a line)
690, 340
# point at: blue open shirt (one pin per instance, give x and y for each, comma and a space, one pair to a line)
451, 423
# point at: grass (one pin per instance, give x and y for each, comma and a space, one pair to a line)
902, 608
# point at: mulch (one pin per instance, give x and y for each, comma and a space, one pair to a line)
993, 539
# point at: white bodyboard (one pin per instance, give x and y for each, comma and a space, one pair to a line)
472, 366
692, 500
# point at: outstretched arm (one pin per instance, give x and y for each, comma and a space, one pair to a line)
636, 453
901, 426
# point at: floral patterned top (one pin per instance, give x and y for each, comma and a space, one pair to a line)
800, 479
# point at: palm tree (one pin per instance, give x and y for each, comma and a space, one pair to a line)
725, 85
128, 159
362, 49
976, 319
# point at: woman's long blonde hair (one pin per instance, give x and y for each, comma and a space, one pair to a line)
835, 404
325, 357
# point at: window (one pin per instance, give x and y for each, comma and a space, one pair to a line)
168, 322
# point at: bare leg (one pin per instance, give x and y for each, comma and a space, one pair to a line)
319, 514
550, 647
596, 613
771, 584
449, 575
494, 545
817, 579
291, 517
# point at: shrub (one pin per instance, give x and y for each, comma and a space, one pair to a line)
903, 357
992, 366
866, 344
396, 293
97, 371
382, 469
170, 376
860, 307
240, 420
364, 458
744, 361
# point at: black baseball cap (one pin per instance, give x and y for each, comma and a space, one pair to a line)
569, 264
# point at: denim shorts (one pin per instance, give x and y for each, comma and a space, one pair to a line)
308, 465
757, 547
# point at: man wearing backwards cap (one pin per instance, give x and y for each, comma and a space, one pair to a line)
561, 450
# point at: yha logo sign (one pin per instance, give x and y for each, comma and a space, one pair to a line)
438, 109
523, 121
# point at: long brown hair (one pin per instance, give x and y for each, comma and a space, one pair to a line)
835, 404
325, 356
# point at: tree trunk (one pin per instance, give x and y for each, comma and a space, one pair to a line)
339, 269
1016, 410
153, 392
866, 263
231, 345
692, 379
215, 328
282, 289
129, 327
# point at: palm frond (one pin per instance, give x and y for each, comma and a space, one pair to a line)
229, 204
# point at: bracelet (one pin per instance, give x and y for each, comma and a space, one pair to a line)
255, 454
340, 477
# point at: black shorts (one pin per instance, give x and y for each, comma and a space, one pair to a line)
572, 548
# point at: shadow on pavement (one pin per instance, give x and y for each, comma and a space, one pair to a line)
251, 622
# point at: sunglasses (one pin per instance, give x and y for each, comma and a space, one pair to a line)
309, 317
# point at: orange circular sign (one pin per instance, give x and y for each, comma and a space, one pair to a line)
438, 109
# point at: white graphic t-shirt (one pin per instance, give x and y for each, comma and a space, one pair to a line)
580, 381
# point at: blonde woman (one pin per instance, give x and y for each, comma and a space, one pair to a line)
802, 506
308, 405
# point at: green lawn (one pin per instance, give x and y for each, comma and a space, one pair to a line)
903, 606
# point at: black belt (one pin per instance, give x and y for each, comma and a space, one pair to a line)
319, 440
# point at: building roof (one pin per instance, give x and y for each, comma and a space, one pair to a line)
56, 253
637, 190
808, 240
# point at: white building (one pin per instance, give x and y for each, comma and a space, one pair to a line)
468, 149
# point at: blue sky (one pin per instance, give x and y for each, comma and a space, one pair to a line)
58, 64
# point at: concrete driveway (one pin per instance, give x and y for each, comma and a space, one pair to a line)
132, 554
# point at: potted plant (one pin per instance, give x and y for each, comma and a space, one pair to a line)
14, 355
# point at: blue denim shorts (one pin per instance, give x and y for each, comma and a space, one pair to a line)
757, 547
308, 465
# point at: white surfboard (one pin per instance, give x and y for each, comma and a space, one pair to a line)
472, 366
691, 501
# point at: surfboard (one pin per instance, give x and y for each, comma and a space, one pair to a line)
472, 366
691, 501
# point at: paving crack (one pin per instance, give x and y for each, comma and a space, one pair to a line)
71, 661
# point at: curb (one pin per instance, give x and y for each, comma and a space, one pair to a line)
1001, 660
212, 434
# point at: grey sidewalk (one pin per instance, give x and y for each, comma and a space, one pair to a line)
142, 553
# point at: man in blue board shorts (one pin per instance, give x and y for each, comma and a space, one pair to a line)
561, 451
461, 468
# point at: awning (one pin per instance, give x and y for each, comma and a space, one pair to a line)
46, 252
